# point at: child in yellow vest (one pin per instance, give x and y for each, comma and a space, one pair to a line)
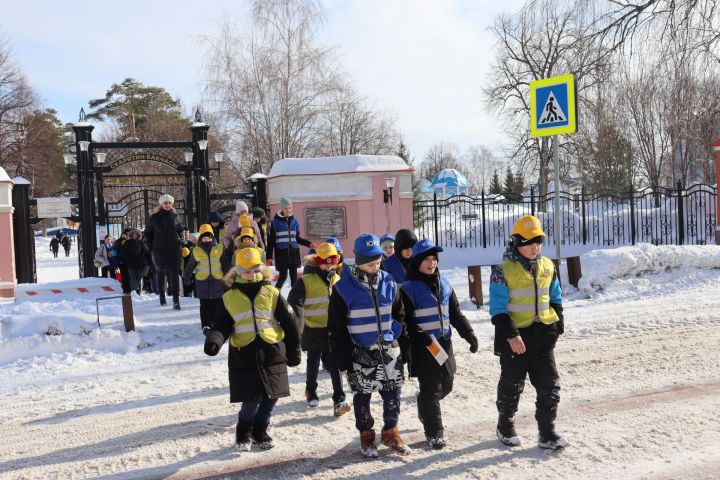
526, 309
264, 340
207, 264
310, 298
246, 239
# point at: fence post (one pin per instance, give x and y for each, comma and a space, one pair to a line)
435, 218
633, 227
681, 214
532, 200
482, 212
584, 215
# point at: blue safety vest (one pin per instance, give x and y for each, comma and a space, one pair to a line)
429, 316
283, 236
362, 318
393, 266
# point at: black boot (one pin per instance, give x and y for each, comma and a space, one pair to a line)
547, 437
506, 431
261, 437
163, 302
243, 441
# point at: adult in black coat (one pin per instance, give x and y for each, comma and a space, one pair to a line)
67, 244
54, 246
163, 237
135, 253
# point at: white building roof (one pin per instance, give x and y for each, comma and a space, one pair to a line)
334, 165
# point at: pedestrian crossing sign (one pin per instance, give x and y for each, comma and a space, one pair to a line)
552, 106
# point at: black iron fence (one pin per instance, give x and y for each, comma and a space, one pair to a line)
657, 215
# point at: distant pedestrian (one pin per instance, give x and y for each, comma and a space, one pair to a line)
284, 242
101, 258
55, 246
66, 243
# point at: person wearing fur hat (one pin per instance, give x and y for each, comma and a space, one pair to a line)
526, 309
163, 237
368, 339
284, 242
387, 243
431, 309
264, 341
218, 225
310, 297
207, 265
234, 226
397, 263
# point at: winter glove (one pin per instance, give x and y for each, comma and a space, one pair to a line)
213, 342
313, 245
294, 359
560, 324
269, 262
473, 341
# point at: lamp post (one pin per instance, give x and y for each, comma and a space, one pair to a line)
189, 218
387, 198
200, 167
87, 241
100, 159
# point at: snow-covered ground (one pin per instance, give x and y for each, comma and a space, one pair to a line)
639, 366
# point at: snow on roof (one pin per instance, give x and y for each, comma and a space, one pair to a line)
449, 177
343, 164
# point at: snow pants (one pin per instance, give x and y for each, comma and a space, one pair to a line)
539, 365
313, 366
435, 385
391, 409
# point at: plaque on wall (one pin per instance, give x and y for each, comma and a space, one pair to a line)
325, 222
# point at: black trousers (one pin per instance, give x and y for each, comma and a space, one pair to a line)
435, 384
124, 278
540, 366
283, 274
208, 307
173, 278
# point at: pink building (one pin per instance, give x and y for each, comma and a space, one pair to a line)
344, 196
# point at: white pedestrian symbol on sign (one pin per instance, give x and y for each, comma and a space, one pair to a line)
552, 112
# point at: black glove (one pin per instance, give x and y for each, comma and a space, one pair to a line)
560, 324
213, 343
473, 341
294, 359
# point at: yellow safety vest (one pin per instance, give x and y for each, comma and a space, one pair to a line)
529, 297
208, 266
253, 319
317, 299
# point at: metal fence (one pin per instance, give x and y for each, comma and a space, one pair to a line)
659, 215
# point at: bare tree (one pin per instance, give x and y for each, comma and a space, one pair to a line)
439, 156
271, 82
545, 39
350, 125
16, 101
481, 163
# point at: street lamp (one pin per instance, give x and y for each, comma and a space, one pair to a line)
100, 157
188, 157
387, 193
202, 144
69, 159
84, 145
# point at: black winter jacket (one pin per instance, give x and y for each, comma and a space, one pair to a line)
163, 238
421, 360
259, 367
134, 253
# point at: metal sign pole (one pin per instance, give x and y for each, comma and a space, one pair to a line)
557, 228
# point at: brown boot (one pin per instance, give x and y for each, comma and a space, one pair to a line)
367, 444
391, 438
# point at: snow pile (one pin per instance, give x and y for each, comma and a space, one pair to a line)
601, 267
342, 164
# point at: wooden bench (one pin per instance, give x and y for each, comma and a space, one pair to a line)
475, 280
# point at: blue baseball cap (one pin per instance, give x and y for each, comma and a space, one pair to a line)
367, 245
387, 238
336, 242
423, 246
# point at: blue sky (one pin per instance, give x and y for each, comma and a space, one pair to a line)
425, 61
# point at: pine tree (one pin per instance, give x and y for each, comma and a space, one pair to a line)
519, 183
509, 185
495, 187
404, 153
